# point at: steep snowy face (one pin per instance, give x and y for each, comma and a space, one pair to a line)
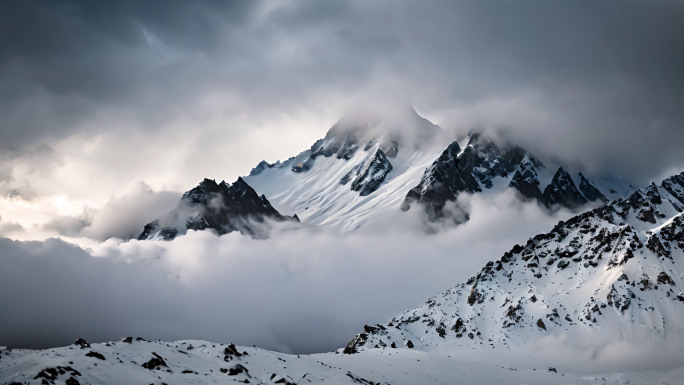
360, 170
483, 165
221, 207
614, 272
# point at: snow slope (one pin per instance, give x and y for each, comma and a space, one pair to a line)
201, 362
320, 195
605, 286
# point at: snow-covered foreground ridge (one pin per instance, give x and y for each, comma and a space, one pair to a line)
135, 361
605, 285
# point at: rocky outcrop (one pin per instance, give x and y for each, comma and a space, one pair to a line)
526, 181
482, 163
369, 175
221, 207
563, 191
590, 192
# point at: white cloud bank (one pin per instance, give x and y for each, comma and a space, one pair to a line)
303, 290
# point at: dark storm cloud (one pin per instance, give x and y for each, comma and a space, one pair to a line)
598, 82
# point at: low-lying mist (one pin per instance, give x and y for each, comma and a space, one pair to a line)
302, 290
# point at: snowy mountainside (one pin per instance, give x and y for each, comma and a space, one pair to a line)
136, 361
356, 172
219, 206
615, 273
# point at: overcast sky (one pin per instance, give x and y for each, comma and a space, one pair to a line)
168, 92
111, 107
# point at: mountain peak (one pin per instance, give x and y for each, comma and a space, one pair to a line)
221, 207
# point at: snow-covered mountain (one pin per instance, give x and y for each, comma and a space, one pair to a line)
614, 274
361, 170
221, 207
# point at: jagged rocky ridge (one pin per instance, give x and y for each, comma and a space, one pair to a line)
222, 207
481, 165
615, 269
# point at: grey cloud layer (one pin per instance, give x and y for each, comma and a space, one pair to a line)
597, 82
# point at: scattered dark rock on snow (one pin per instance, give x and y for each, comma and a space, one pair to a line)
231, 350
237, 369
95, 355
155, 362
49, 375
541, 324
82, 343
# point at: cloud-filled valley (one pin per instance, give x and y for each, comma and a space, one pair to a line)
301, 290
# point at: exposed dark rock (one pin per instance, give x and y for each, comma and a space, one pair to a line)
540, 324
371, 175
237, 369
221, 207
82, 343
231, 350
155, 362
457, 171
95, 355
589, 191
359, 340
562, 191
526, 181
49, 375
409, 344
664, 279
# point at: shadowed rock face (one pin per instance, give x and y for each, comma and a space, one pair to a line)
370, 174
589, 191
562, 191
479, 165
526, 182
222, 207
